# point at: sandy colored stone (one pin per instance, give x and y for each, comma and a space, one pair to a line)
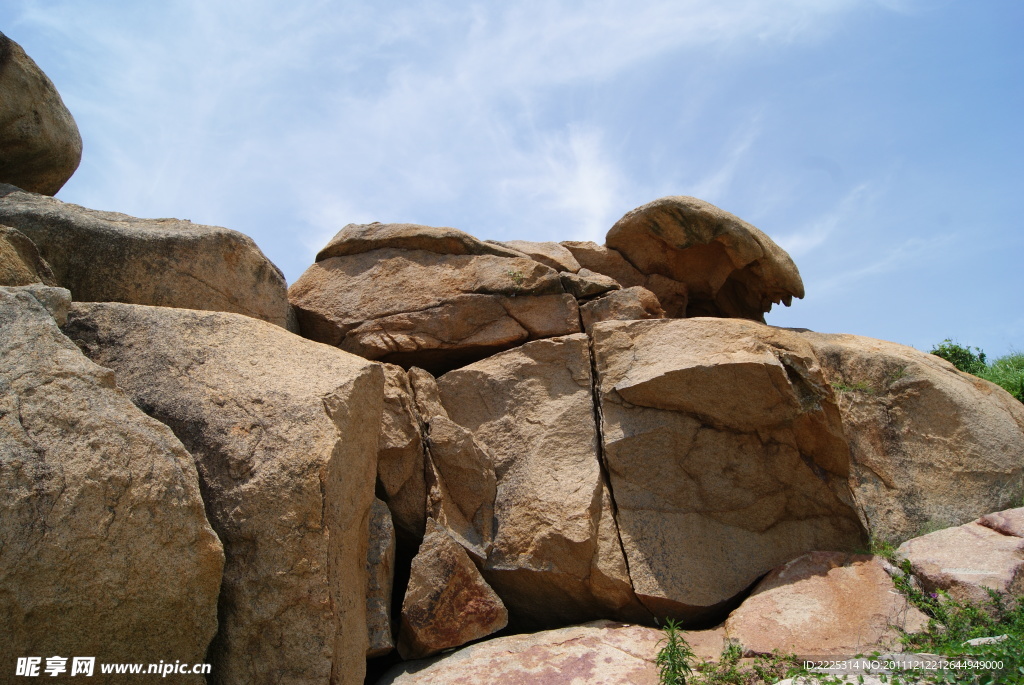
587, 283
548, 253
1009, 522
400, 450
598, 653
930, 446
621, 305
20, 263
556, 556
380, 573
105, 549
359, 238
111, 257
284, 434
824, 604
40, 146
447, 603
725, 453
730, 268
966, 560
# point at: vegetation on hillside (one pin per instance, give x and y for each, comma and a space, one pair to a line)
1007, 372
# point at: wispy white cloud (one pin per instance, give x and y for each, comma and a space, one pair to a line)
812, 236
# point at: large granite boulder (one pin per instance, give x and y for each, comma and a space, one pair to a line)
105, 549
430, 297
730, 268
824, 604
40, 146
20, 263
111, 257
284, 434
725, 454
930, 446
556, 556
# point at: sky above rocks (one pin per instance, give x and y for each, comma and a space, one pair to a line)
878, 141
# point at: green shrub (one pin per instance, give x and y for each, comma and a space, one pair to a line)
1008, 373
674, 658
961, 357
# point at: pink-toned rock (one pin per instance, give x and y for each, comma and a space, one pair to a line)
1009, 522
587, 283
598, 653
967, 560
824, 604
621, 305
550, 254
447, 603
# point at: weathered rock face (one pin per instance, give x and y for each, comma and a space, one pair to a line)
20, 263
380, 572
725, 453
968, 560
400, 465
447, 603
824, 604
621, 305
598, 653
284, 433
556, 556
930, 446
730, 268
105, 549
402, 303
40, 146
587, 283
552, 254
111, 257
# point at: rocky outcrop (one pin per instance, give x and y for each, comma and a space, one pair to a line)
552, 254
20, 263
360, 238
587, 283
414, 306
725, 453
969, 560
621, 305
400, 465
111, 257
447, 603
730, 268
930, 446
601, 652
105, 549
40, 146
556, 556
824, 604
380, 573
284, 433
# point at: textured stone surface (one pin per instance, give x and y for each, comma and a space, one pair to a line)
824, 604
726, 457
447, 603
40, 146
552, 254
598, 653
966, 560
556, 556
105, 549
284, 433
20, 263
400, 465
111, 257
358, 238
930, 446
380, 573
730, 268
621, 305
587, 283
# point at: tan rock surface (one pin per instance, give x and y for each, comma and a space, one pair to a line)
400, 450
930, 445
447, 603
730, 268
1009, 522
552, 254
556, 557
40, 146
598, 653
725, 453
105, 549
20, 263
284, 433
967, 559
380, 572
587, 283
621, 305
824, 604
359, 238
111, 257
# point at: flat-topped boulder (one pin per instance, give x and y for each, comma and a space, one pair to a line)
40, 146
359, 238
730, 268
111, 257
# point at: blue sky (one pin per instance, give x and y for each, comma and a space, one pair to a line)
879, 141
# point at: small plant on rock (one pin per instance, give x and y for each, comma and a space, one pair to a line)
674, 658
